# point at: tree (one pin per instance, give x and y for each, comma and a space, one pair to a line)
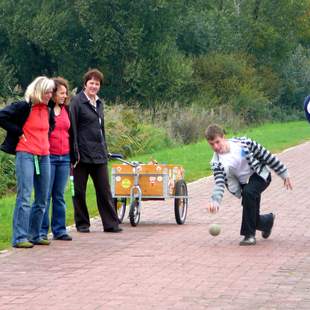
8, 80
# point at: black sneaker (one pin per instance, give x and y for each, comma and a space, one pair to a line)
267, 233
83, 229
113, 229
248, 240
65, 237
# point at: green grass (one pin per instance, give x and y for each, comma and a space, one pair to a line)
195, 158
7, 205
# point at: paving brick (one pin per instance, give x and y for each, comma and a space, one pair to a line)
162, 265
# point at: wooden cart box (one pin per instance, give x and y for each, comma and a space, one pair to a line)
155, 180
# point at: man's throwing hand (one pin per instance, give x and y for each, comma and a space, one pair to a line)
287, 183
213, 207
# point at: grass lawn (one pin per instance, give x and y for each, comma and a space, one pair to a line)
195, 158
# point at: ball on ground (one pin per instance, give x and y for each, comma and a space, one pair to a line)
214, 229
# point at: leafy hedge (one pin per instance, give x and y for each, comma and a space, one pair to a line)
7, 171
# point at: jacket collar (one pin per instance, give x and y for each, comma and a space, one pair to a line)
85, 99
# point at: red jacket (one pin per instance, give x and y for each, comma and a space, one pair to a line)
35, 131
59, 138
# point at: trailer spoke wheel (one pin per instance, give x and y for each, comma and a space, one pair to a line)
180, 204
134, 213
120, 208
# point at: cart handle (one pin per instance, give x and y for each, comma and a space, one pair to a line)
120, 158
115, 156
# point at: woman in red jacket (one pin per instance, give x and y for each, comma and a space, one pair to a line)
27, 125
60, 163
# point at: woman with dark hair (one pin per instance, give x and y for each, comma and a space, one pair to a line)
28, 124
90, 156
60, 163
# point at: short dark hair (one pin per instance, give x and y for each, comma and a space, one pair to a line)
93, 74
214, 131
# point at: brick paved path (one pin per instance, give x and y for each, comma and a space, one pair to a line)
161, 265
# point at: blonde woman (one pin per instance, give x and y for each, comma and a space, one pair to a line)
28, 124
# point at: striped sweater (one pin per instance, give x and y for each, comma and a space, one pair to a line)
258, 158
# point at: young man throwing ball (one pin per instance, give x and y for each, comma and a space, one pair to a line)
241, 165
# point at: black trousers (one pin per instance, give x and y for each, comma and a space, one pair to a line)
251, 196
100, 177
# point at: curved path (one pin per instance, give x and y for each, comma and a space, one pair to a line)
162, 265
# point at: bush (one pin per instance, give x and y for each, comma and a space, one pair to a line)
188, 124
229, 80
251, 105
185, 126
7, 174
7, 78
129, 134
285, 115
296, 79
7, 170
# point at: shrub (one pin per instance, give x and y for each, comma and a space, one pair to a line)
188, 124
7, 174
251, 105
185, 127
7, 75
284, 115
296, 78
230, 80
128, 133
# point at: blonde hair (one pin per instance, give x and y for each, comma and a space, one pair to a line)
37, 88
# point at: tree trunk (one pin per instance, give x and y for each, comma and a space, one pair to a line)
256, 9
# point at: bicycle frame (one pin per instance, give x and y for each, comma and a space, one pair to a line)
135, 190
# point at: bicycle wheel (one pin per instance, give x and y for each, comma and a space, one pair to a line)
180, 204
120, 208
134, 213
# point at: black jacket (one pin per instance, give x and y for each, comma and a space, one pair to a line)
12, 119
88, 143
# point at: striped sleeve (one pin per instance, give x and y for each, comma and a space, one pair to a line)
266, 157
219, 183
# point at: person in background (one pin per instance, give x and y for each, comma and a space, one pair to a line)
28, 124
241, 165
60, 163
90, 156
307, 107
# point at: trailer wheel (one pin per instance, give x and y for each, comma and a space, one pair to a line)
120, 208
134, 213
180, 204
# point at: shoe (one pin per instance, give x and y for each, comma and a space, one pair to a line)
83, 229
42, 242
23, 245
267, 233
248, 240
65, 237
113, 229
44, 237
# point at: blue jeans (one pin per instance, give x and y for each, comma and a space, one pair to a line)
60, 168
27, 220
